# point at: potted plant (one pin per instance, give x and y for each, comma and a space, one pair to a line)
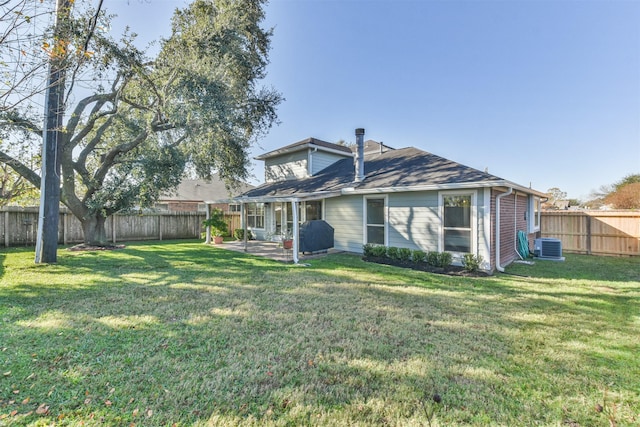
287, 239
217, 225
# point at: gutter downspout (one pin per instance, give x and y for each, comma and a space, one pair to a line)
498, 197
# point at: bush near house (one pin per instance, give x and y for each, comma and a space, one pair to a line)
436, 262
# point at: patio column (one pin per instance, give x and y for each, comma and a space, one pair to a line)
208, 228
296, 231
243, 224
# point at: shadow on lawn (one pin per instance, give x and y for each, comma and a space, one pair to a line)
196, 333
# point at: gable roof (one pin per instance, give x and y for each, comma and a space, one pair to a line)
406, 169
306, 144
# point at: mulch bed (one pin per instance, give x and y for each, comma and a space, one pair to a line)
450, 271
85, 247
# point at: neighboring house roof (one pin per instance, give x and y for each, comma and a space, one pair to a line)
406, 169
199, 190
372, 147
305, 144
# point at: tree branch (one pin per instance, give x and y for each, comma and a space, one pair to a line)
21, 169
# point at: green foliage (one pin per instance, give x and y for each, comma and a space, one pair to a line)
138, 121
379, 251
418, 256
404, 254
238, 233
433, 258
444, 259
393, 253
368, 249
217, 223
471, 262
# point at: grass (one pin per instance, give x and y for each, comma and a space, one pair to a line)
183, 334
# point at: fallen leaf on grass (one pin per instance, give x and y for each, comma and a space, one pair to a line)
108, 402
14, 413
6, 374
87, 401
149, 413
42, 409
24, 402
16, 391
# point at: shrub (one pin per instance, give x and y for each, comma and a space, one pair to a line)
367, 250
217, 223
432, 258
404, 254
393, 253
418, 256
238, 233
445, 259
373, 250
471, 263
380, 251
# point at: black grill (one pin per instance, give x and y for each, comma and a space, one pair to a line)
315, 236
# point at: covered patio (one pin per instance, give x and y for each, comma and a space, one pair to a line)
271, 250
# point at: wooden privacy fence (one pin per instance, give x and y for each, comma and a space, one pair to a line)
594, 232
19, 225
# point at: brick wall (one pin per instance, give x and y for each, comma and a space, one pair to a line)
513, 218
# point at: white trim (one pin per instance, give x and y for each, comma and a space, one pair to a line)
386, 217
473, 221
531, 213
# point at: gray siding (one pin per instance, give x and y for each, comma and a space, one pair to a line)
344, 214
414, 220
321, 160
290, 166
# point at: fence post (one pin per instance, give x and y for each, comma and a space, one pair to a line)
588, 234
113, 228
160, 226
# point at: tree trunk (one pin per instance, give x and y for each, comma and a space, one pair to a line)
95, 233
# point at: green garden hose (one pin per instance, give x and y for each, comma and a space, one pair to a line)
523, 245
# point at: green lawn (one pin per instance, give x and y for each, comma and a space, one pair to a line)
184, 334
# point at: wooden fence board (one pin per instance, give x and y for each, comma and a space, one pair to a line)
594, 232
18, 226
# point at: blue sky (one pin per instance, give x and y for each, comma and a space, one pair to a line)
545, 93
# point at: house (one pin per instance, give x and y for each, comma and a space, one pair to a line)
393, 197
191, 194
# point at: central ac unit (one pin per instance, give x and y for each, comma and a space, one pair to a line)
547, 247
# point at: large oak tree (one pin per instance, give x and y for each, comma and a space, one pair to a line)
133, 123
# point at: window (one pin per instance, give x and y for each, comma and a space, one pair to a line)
534, 213
375, 224
289, 210
313, 210
255, 215
458, 221
234, 207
